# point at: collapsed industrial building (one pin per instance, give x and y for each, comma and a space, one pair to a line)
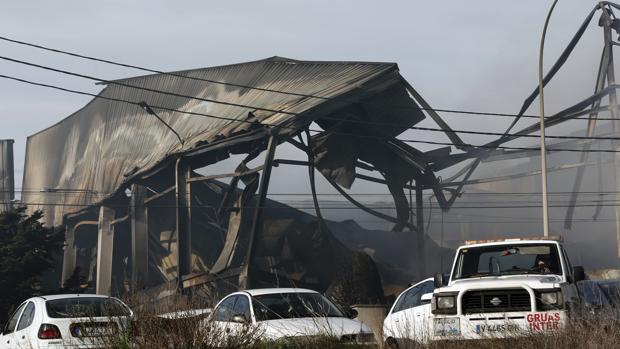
133, 178
120, 176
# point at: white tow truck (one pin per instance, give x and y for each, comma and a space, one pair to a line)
504, 288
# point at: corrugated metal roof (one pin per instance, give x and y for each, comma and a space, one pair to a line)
95, 147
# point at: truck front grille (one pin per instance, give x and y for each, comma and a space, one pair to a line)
496, 301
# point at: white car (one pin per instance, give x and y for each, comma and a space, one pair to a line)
68, 320
279, 313
410, 316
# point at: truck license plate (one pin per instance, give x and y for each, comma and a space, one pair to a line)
447, 327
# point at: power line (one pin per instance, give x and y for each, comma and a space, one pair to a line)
311, 207
137, 104
337, 194
85, 190
465, 112
316, 131
151, 70
466, 145
484, 133
174, 94
282, 111
210, 100
338, 204
379, 195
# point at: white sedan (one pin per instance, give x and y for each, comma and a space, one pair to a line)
410, 316
69, 320
278, 313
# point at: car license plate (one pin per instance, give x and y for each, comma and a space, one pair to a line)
92, 331
447, 326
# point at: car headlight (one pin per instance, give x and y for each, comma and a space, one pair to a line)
445, 302
551, 298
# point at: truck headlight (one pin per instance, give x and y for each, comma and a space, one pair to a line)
445, 302
551, 298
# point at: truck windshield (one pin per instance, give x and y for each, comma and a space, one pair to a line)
507, 260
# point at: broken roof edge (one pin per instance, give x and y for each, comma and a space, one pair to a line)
91, 101
268, 59
273, 58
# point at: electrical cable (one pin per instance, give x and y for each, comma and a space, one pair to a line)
316, 131
310, 207
150, 70
210, 100
174, 94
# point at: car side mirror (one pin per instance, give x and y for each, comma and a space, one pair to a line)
579, 274
350, 312
240, 318
353, 313
426, 298
438, 280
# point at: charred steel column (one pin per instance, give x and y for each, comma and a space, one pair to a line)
68, 260
105, 246
419, 202
184, 219
245, 276
139, 237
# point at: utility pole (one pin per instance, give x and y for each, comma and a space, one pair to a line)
543, 150
606, 22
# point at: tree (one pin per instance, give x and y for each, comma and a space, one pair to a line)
27, 251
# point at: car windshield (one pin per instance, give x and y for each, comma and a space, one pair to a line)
507, 260
293, 305
85, 307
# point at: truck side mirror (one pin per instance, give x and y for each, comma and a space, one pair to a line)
578, 274
438, 280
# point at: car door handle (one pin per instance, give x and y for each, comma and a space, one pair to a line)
23, 337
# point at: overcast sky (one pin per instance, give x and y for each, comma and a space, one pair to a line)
472, 55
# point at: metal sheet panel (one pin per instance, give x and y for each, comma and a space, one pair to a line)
7, 175
88, 155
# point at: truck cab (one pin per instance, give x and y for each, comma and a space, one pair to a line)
504, 288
